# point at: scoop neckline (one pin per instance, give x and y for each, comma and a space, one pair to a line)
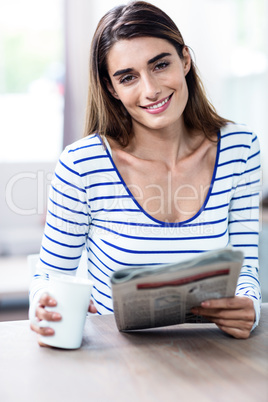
142, 210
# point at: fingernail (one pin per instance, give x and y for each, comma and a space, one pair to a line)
56, 316
49, 331
205, 304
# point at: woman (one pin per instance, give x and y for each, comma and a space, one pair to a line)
159, 176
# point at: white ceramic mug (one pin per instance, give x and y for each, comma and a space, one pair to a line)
73, 296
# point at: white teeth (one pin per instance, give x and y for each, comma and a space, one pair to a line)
159, 104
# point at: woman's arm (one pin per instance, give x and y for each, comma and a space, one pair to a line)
67, 225
239, 315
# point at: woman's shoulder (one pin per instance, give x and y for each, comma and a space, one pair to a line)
239, 141
234, 134
84, 148
86, 145
236, 129
83, 152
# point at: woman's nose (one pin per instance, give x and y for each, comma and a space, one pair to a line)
151, 88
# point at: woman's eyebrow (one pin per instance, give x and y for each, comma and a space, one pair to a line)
120, 72
151, 61
159, 56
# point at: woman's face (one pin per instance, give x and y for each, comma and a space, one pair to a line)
148, 77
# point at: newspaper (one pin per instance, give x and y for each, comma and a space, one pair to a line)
161, 295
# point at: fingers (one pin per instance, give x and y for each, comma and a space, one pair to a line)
43, 314
44, 331
91, 308
238, 324
228, 303
237, 333
234, 316
47, 300
229, 308
238, 314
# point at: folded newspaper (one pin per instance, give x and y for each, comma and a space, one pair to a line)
161, 295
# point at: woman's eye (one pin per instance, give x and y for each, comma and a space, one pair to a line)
126, 79
162, 65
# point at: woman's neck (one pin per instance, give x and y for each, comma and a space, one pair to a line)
167, 145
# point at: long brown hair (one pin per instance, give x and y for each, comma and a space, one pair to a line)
107, 115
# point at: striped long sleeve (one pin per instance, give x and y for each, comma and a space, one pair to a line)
244, 222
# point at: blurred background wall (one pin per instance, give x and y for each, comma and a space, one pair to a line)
44, 48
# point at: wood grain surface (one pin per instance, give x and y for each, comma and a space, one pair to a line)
194, 362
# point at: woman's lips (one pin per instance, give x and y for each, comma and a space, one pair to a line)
158, 107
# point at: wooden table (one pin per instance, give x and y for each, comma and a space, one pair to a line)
179, 363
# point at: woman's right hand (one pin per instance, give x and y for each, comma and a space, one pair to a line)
42, 314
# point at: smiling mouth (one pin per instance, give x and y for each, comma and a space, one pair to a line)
159, 104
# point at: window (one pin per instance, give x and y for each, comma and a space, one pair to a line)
31, 80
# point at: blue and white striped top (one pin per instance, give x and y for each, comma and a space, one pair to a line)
90, 205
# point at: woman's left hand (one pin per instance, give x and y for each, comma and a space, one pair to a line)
234, 315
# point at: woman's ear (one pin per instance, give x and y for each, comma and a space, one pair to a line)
111, 89
187, 61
